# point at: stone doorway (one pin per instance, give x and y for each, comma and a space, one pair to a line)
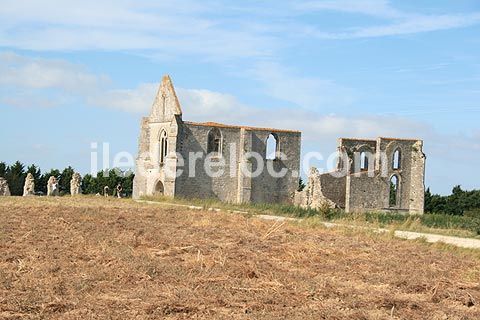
159, 189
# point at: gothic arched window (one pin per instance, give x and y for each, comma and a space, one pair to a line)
271, 147
163, 146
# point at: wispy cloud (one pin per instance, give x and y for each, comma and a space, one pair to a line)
190, 28
377, 8
310, 92
168, 28
398, 22
37, 73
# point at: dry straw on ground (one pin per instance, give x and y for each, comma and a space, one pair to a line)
101, 258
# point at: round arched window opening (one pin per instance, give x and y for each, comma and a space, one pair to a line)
396, 160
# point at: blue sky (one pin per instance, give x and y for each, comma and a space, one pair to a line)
76, 72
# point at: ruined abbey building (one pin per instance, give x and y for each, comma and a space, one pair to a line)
165, 137
373, 175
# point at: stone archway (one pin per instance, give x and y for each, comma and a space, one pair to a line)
159, 189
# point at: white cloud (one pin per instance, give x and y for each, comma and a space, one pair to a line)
309, 92
137, 100
168, 28
35, 73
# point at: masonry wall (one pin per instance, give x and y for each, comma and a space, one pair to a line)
151, 176
194, 139
366, 193
369, 190
353, 148
267, 188
410, 173
334, 188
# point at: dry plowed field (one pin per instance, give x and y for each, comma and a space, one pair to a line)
87, 258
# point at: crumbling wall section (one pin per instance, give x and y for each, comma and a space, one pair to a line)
322, 190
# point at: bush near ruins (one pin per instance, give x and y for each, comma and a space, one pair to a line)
458, 203
16, 174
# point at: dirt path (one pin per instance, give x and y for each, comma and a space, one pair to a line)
428, 237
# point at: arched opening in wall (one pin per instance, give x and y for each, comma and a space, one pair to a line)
214, 144
363, 161
163, 146
271, 152
393, 191
159, 189
397, 157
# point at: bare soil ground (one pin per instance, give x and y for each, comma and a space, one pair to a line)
93, 258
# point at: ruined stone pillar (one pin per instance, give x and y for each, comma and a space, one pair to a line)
52, 187
75, 184
29, 187
4, 190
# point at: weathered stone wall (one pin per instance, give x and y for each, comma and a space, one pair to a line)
370, 190
353, 148
233, 185
322, 190
267, 188
373, 193
151, 176
334, 189
366, 193
196, 182
411, 172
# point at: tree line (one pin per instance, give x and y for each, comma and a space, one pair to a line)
16, 173
460, 202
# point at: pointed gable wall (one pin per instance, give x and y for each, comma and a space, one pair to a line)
165, 106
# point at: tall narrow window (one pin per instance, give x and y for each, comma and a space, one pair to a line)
363, 161
163, 146
214, 144
396, 159
271, 147
393, 198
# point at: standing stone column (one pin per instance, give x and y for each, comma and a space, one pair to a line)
75, 184
4, 190
29, 187
52, 187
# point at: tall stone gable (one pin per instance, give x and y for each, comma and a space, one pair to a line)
151, 175
165, 106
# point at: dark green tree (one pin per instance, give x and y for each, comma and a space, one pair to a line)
15, 176
301, 185
64, 180
3, 169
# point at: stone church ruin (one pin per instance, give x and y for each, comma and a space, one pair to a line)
384, 174
166, 140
